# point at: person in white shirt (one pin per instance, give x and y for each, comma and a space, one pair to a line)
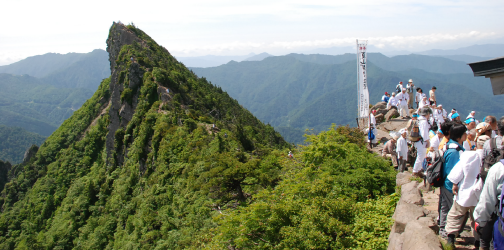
402, 150
393, 102
438, 115
403, 98
487, 207
410, 88
372, 117
465, 178
471, 115
419, 97
469, 143
423, 144
423, 103
435, 140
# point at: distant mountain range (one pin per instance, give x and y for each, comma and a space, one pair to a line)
295, 92
40, 92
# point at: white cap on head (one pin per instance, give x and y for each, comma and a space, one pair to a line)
440, 105
403, 89
410, 80
402, 131
473, 112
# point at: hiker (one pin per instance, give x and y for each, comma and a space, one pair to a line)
423, 102
403, 98
445, 128
436, 140
399, 88
497, 139
402, 150
423, 144
451, 157
443, 112
486, 211
290, 155
432, 96
438, 115
419, 97
469, 143
385, 98
393, 102
471, 115
372, 118
371, 135
465, 176
483, 129
410, 88
453, 111
389, 149
493, 124
470, 123
456, 118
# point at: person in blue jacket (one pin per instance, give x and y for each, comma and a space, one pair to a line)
451, 156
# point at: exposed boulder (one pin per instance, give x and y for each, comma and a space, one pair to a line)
395, 241
379, 118
429, 222
381, 111
403, 178
379, 105
392, 113
411, 194
420, 236
404, 214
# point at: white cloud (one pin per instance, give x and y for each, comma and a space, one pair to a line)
396, 42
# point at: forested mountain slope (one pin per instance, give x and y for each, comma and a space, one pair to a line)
15, 141
137, 166
36, 106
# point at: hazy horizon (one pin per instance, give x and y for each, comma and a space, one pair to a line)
197, 28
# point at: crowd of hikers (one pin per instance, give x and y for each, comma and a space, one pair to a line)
461, 157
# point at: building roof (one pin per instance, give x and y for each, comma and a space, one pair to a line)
488, 67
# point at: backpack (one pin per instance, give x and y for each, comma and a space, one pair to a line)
435, 169
493, 157
371, 135
398, 88
414, 133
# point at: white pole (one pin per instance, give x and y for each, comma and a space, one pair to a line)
358, 89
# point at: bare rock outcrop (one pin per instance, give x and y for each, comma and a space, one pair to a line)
392, 113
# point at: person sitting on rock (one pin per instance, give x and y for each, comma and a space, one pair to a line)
389, 150
385, 98
464, 176
402, 150
393, 102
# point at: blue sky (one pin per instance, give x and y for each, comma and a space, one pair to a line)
221, 27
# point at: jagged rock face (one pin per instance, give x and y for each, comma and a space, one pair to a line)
121, 112
30, 152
